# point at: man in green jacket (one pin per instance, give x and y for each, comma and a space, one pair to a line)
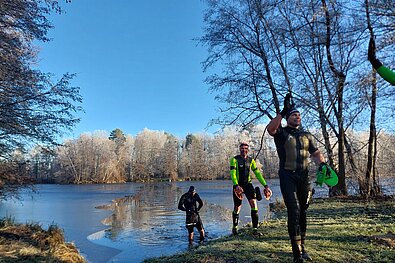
240, 167
382, 70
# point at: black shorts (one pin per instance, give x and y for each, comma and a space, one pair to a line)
193, 220
249, 192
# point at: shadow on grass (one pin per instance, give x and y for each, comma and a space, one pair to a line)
338, 231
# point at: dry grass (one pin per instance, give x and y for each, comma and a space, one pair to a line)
30, 243
339, 230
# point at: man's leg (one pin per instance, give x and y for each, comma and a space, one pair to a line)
305, 255
288, 189
305, 197
235, 214
235, 217
190, 234
251, 196
254, 214
201, 238
200, 228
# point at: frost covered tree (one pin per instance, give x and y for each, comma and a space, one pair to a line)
314, 49
35, 107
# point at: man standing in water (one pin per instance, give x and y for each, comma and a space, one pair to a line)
293, 147
191, 203
240, 167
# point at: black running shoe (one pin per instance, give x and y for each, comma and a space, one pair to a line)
306, 256
235, 231
255, 233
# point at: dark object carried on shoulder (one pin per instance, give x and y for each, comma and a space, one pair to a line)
258, 193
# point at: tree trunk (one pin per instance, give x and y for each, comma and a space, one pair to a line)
340, 188
376, 186
370, 186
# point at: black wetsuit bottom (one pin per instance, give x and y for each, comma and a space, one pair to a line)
249, 192
295, 187
193, 220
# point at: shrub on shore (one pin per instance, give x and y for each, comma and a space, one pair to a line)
31, 243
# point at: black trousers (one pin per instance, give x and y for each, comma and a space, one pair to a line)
295, 187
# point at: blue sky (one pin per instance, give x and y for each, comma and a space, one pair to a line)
136, 64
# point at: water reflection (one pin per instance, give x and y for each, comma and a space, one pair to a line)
148, 216
150, 219
144, 222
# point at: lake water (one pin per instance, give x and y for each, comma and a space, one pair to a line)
133, 221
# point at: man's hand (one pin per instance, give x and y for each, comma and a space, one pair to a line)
238, 192
267, 192
287, 105
372, 54
321, 174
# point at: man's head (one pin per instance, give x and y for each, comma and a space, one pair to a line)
192, 190
244, 147
293, 118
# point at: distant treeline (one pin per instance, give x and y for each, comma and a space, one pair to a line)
150, 155
100, 157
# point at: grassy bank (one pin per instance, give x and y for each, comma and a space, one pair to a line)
31, 243
339, 230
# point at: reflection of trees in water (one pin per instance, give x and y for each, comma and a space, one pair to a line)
152, 207
154, 210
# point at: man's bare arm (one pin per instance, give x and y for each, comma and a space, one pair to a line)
274, 124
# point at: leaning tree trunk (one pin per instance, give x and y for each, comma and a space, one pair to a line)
370, 186
340, 188
376, 186
365, 188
